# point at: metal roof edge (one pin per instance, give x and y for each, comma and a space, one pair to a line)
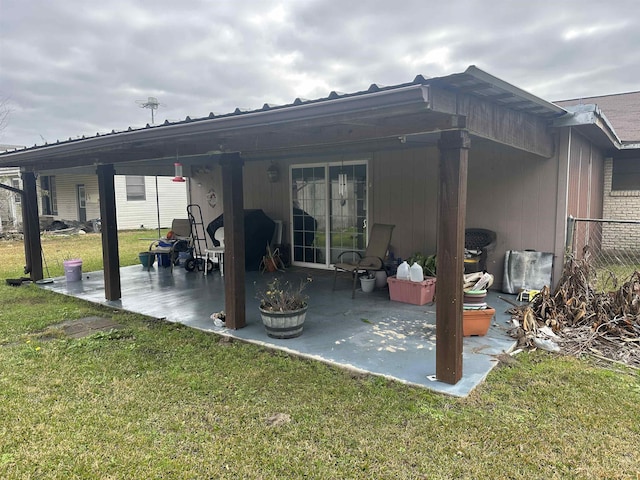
589, 114
405, 94
488, 78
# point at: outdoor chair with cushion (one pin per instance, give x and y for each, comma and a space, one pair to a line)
178, 241
373, 258
477, 243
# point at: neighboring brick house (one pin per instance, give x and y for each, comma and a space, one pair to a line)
621, 192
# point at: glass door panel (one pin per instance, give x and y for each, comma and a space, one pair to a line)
329, 211
348, 215
309, 193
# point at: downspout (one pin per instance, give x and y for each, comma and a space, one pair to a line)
566, 190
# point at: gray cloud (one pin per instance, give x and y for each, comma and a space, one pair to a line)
78, 67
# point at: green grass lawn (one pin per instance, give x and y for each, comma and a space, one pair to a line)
158, 400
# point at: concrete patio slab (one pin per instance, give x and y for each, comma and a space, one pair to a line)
369, 334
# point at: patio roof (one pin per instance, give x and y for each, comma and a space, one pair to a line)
370, 334
384, 114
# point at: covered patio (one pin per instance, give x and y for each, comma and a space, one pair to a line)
431, 156
369, 334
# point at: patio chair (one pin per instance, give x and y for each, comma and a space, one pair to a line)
179, 242
477, 243
373, 258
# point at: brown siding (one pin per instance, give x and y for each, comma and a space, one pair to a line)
513, 194
509, 191
404, 194
585, 186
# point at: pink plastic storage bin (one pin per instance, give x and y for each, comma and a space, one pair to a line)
416, 293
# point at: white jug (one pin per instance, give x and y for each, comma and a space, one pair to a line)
403, 271
415, 273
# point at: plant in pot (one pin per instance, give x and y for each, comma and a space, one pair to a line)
283, 307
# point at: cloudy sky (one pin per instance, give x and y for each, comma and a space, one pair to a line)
76, 67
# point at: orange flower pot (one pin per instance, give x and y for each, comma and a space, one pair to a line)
476, 322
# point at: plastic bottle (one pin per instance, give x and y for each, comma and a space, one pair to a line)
415, 273
403, 271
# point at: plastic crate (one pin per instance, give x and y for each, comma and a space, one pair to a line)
476, 322
416, 293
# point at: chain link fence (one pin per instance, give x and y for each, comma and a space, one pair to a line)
611, 247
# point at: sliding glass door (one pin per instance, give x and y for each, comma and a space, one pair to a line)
328, 211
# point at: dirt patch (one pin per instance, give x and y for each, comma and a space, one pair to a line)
84, 327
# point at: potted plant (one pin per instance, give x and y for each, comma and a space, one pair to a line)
283, 307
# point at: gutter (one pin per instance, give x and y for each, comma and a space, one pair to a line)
590, 114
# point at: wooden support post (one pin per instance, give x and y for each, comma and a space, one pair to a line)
109, 228
31, 227
234, 247
454, 150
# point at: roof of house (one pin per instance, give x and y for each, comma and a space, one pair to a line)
622, 110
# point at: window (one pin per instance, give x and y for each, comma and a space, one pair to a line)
626, 174
135, 187
49, 195
15, 183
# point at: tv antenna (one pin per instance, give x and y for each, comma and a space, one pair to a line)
152, 104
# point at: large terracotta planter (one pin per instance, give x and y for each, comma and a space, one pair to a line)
284, 324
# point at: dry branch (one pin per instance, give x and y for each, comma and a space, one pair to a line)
603, 324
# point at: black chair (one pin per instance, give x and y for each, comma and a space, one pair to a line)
477, 243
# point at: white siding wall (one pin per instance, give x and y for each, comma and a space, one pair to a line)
10, 211
67, 200
172, 200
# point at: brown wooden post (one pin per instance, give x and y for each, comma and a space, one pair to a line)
31, 227
454, 150
109, 228
234, 248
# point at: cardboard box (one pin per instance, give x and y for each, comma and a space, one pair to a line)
476, 322
416, 293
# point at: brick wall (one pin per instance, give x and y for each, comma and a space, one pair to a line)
619, 205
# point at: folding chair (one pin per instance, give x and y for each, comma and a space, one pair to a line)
373, 258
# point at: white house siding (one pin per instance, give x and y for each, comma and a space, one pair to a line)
172, 201
67, 198
10, 211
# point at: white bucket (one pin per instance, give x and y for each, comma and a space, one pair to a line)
73, 270
367, 284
